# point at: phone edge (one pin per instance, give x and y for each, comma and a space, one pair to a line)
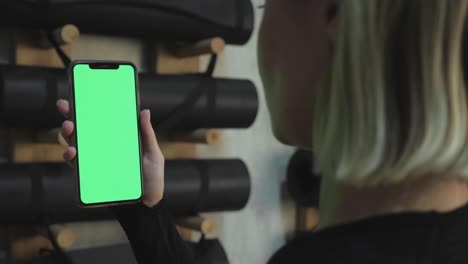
71, 88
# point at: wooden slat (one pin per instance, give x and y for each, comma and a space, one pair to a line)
204, 47
29, 54
27, 149
65, 35
185, 233
34, 49
202, 136
28, 248
166, 63
65, 236
307, 219
196, 223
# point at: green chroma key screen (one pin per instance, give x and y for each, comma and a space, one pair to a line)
107, 134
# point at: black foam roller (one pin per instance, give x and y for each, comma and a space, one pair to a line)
303, 182
32, 193
174, 20
28, 96
8, 46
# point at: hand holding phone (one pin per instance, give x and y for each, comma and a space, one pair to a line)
152, 160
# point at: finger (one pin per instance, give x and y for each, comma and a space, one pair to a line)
150, 143
63, 107
67, 130
69, 155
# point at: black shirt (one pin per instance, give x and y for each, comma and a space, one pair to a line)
152, 234
400, 238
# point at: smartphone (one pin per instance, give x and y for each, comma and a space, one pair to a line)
105, 106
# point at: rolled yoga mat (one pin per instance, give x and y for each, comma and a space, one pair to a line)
30, 193
303, 182
177, 102
162, 20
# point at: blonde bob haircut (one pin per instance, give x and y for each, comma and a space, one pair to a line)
394, 107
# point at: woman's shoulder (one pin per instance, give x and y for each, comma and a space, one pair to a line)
393, 238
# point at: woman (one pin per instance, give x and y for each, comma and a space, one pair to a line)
376, 89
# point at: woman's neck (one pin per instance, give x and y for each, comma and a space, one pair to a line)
344, 203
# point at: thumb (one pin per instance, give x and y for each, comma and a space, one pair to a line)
150, 144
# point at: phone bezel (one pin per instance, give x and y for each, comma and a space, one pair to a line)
74, 136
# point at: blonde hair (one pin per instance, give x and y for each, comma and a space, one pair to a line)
395, 107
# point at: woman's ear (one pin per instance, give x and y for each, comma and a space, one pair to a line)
332, 21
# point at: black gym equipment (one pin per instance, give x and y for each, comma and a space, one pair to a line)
174, 20
28, 96
8, 46
32, 193
303, 183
